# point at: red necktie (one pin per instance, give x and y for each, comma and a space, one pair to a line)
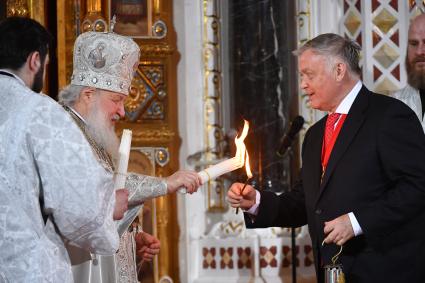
330, 127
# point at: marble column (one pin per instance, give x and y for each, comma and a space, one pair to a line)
261, 39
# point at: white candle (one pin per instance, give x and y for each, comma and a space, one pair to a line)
219, 169
124, 154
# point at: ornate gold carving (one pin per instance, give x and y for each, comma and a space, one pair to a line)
160, 135
212, 98
162, 221
157, 7
159, 29
155, 74
94, 20
17, 8
304, 34
232, 227
304, 21
37, 10
136, 95
94, 6
162, 156
68, 14
146, 92
142, 161
159, 50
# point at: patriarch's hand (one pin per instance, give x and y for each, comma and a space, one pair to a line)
189, 180
121, 203
147, 246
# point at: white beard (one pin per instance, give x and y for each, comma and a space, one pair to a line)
100, 129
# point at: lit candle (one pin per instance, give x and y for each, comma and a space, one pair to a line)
124, 154
227, 165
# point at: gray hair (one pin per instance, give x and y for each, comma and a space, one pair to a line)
331, 45
70, 94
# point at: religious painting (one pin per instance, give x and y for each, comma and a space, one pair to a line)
133, 17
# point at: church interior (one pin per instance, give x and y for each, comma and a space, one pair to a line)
205, 66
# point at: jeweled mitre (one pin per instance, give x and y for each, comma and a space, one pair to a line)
105, 60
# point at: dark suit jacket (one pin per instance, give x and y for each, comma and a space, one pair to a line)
377, 171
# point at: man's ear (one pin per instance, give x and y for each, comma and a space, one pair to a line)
87, 94
85, 101
340, 70
34, 62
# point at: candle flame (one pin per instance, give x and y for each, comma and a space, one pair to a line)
247, 166
240, 145
241, 152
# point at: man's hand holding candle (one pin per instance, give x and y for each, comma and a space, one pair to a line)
190, 180
244, 199
121, 203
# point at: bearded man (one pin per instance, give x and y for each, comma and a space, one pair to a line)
414, 93
95, 101
52, 189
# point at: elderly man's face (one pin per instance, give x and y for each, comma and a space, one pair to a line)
111, 104
318, 81
104, 111
415, 60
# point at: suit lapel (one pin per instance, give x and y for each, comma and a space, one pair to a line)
354, 120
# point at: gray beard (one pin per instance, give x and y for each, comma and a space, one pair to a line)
415, 78
102, 132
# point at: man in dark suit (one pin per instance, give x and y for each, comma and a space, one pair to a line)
362, 182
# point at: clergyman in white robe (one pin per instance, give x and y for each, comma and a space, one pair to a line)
121, 267
52, 189
411, 97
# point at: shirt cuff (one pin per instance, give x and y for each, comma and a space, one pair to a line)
254, 209
355, 224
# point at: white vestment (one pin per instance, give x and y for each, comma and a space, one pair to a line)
121, 267
411, 97
52, 189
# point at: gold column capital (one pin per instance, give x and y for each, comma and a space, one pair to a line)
94, 6
94, 20
17, 8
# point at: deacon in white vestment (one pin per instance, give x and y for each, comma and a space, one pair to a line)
414, 93
95, 100
53, 191
412, 98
